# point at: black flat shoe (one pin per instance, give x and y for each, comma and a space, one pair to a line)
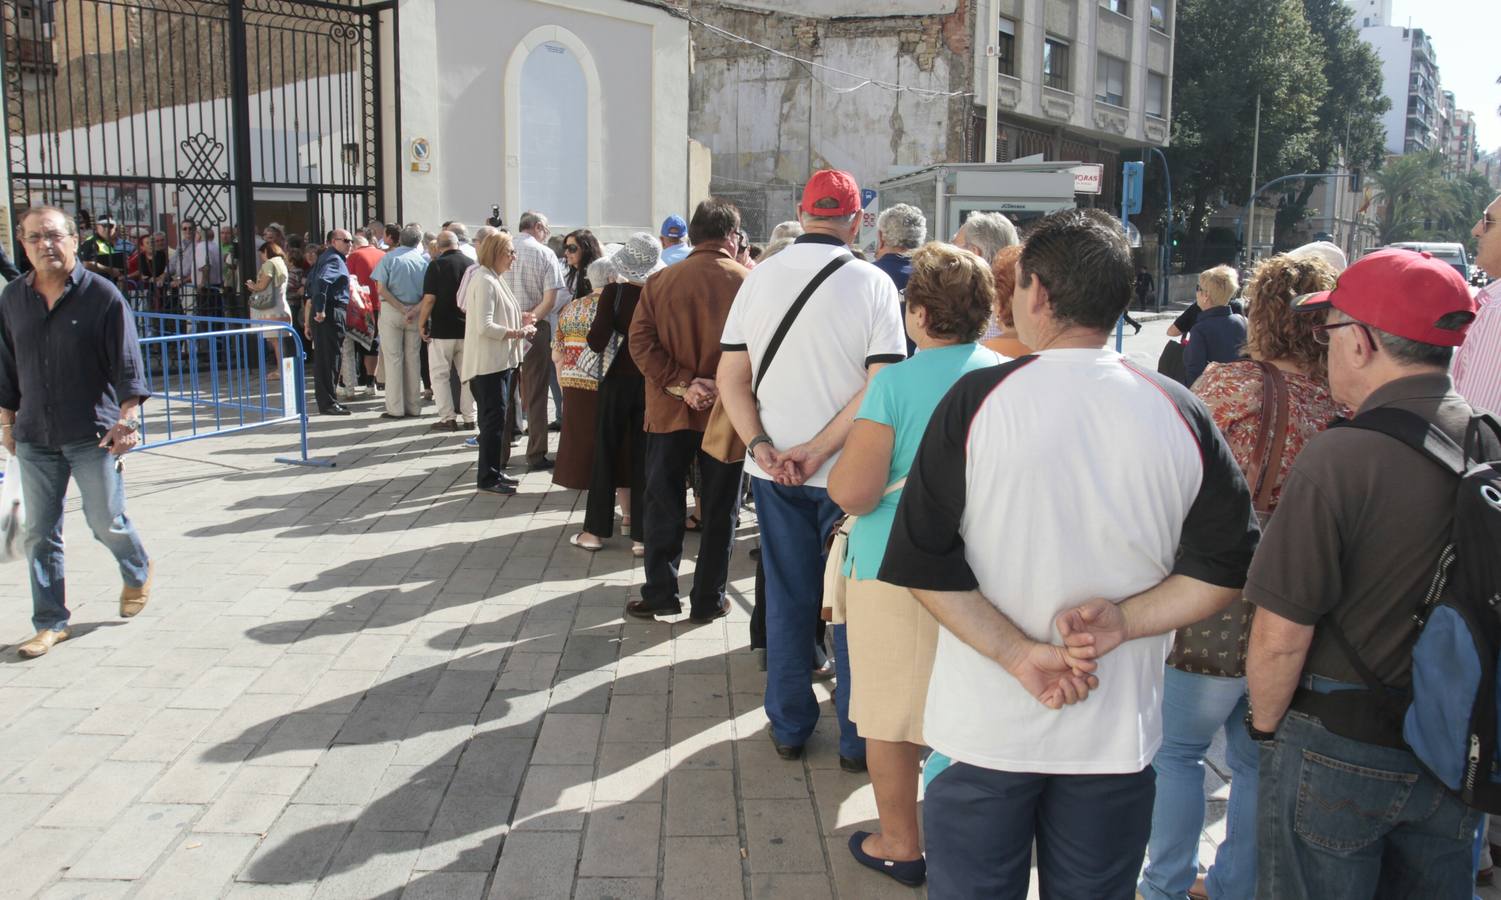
541, 465
509, 479
499, 487
852, 766
335, 411
911, 872
389, 416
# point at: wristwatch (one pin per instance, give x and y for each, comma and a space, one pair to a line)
130, 425
1257, 735
755, 442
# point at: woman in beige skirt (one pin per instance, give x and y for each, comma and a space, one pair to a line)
891, 636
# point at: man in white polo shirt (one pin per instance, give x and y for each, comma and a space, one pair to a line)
794, 412
1041, 486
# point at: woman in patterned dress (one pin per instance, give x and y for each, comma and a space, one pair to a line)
1205, 688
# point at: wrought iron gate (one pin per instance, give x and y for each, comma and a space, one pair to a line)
222, 113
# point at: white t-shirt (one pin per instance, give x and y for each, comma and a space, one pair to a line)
1046, 482
852, 321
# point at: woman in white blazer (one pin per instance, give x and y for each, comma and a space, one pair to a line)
494, 332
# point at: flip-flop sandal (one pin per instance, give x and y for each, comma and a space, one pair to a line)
578, 541
693, 524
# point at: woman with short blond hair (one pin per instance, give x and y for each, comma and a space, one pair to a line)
1218, 334
891, 636
493, 335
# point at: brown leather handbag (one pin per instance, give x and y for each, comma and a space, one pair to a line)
1217, 645
720, 439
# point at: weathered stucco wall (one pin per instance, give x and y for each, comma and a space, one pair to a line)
769, 121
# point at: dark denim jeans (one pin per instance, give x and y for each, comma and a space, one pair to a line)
1345, 819
44, 483
1090, 832
794, 522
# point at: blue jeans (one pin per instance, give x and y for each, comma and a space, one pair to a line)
794, 522
1194, 708
44, 483
981, 825
1345, 819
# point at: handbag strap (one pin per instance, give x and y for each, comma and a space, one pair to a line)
797, 307
1271, 436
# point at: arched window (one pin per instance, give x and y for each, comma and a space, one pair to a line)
554, 122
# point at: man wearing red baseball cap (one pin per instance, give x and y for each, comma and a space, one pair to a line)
808, 329
1341, 568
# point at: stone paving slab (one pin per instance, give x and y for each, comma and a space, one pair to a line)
368, 681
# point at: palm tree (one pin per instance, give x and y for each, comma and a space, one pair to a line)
1415, 196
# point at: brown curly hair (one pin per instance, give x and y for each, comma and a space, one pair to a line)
955, 287
1003, 267
1275, 331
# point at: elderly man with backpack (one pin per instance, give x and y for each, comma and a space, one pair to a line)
1372, 661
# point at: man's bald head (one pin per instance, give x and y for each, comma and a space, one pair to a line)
446, 240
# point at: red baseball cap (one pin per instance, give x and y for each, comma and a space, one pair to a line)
831, 184
1401, 292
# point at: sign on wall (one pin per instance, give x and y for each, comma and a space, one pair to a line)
1088, 178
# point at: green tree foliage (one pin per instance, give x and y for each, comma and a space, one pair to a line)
1228, 52
1349, 114
1415, 196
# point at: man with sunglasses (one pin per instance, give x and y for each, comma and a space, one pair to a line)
1349, 555
1477, 365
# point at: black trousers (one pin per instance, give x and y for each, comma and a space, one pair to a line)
622, 406
491, 393
667, 459
328, 337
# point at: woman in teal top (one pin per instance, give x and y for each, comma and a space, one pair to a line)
891, 636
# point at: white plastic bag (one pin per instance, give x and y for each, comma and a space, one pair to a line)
12, 516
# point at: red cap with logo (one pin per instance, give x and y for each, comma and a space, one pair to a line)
1401, 292
831, 184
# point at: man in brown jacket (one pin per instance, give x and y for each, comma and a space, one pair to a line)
675, 342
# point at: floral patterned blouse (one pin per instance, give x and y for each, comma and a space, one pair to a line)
573, 339
1232, 392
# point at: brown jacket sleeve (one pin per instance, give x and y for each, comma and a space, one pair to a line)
658, 366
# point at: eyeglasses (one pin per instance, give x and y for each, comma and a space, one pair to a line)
341, 240
1486, 221
570, 248
1321, 331
46, 237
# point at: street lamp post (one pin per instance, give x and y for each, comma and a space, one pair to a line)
1166, 269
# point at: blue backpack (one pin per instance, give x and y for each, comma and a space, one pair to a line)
1453, 712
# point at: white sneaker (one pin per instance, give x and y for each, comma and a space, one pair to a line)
367, 391
342, 393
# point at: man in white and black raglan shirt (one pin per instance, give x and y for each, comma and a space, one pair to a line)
1065, 513
794, 424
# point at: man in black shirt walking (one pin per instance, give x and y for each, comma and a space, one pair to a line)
71, 381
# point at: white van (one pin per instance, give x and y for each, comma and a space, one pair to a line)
1453, 254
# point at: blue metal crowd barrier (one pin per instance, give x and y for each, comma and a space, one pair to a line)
212, 375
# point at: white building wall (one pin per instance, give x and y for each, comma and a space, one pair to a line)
1394, 48
468, 103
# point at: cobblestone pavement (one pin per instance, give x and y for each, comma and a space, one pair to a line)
368, 681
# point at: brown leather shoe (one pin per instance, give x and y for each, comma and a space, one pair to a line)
133, 599
41, 643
